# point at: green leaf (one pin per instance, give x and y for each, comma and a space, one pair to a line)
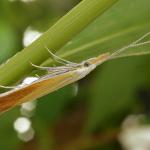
50, 107
113, 90
8, 136
56, 37
7, 42
122, 24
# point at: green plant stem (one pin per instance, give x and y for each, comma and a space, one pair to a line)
56, 37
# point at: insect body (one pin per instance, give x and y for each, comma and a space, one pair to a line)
60, 77
56, 78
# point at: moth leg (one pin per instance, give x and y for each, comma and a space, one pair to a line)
37, 75
60, 60
8, 87
39, 67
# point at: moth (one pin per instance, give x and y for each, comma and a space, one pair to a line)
57, 77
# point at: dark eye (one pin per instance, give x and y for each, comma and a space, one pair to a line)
86, 64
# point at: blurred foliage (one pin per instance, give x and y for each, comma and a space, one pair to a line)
122, 24
69, 118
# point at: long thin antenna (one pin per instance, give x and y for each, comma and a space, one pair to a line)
133, 44
141, 38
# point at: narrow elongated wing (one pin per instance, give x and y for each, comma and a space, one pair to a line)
35, 90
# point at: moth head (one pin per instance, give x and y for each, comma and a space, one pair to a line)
95, 61
86, 66
90, 64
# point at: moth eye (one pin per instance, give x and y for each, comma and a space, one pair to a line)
87, 64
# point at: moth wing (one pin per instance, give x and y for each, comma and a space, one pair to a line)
35, 90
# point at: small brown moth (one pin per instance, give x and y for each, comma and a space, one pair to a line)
57, 78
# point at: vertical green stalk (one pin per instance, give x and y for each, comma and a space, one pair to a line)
57, 36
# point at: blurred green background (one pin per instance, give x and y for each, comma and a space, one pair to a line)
101, 111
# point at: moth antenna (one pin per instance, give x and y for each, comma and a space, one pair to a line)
140, 44
133, 44
141, 38
60, 60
